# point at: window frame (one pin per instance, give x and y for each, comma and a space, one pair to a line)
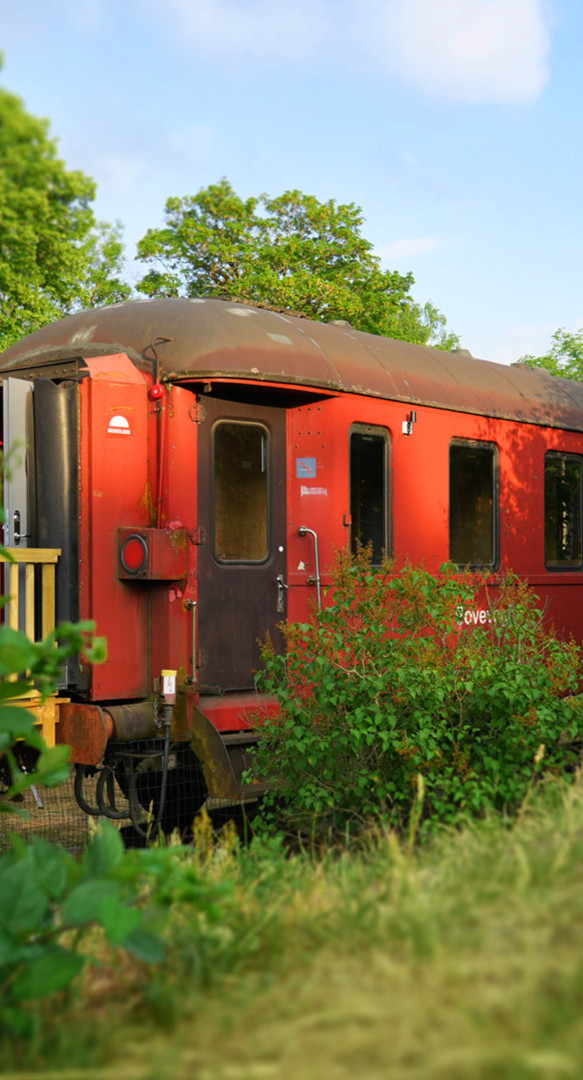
363, 428
479, 444
564, 455
235, 422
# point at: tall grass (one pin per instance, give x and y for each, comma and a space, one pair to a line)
463, 959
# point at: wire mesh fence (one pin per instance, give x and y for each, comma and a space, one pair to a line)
51, 813
55, 815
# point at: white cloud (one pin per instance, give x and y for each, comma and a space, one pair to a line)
249, 29
410, 248
471, 51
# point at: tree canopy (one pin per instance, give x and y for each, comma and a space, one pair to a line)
290, 252
565, 357
54, 256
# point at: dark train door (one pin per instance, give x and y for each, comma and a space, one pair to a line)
242, 559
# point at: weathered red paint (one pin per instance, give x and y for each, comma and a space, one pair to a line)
114, 484
173, 607
237, 711
154, 554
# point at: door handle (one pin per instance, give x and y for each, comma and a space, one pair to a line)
281, 587
17, 536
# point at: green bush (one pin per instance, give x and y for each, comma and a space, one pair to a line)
388, 694
26, 666
59, 913
46, 894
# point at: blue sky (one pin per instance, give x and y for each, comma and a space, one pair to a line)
457, 126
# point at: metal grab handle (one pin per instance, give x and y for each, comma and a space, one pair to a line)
303, 529
17, 536
281, 587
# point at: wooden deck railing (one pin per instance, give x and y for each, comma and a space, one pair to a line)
20, 586
31, 609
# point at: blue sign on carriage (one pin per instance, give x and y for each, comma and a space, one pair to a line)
306, 467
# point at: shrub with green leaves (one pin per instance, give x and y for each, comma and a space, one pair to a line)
47, 900
58, 913
389, 683
51, 904
26, 666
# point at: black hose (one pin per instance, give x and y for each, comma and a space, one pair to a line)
108, 808
135, 807
165, 764
80, 773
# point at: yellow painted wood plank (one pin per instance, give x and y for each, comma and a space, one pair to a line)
32, 555
13, 593
46, 713
29, 600
48, 599
32, 699
21, 615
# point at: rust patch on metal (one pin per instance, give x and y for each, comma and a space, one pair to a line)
180, 713
86, 729
212, 753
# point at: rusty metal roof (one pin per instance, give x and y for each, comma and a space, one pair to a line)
204, 338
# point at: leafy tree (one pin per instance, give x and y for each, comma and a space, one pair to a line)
565, 357
290, 252
100, 282
54, 257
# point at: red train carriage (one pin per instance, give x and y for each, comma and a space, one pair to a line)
197, 462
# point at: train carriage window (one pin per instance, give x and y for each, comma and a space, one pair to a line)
240, 492
472, 504
563, 512
369, 469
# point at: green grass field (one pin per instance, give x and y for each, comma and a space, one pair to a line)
463, 959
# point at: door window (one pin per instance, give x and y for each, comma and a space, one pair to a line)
240, 492
369, 453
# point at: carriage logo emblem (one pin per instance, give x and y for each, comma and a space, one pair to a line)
118, 425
